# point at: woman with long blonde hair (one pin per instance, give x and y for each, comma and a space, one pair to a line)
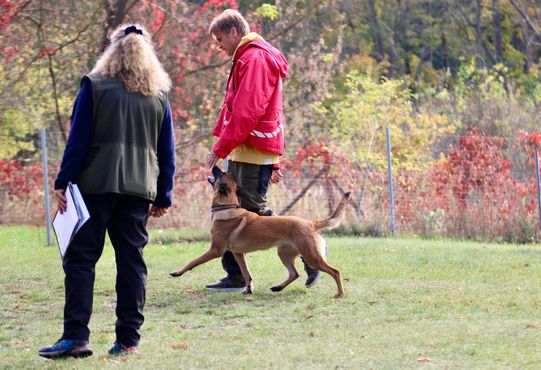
132, 60
121, 154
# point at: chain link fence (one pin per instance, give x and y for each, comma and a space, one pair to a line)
493, 203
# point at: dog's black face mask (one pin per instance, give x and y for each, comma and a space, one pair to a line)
217, 173
224, 189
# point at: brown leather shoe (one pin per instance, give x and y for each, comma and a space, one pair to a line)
119, 349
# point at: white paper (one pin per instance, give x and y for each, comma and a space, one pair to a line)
67, 224
80, 205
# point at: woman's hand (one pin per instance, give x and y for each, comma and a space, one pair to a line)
61, 200
157, 211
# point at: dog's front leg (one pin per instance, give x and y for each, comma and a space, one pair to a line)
215, 251
249, 288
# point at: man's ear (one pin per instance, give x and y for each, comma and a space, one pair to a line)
211, 180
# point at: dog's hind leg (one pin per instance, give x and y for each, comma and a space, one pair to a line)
313, 255
214, 252
249, 288
287, 255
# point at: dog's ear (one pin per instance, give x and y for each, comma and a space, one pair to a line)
211, 180
217, 172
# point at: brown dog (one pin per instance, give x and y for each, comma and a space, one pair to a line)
240, 231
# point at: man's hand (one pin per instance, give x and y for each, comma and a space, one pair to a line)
212, 159
277, 176
157, 211
61, 200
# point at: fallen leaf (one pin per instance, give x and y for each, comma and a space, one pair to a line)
531, 326
183, 346
423, 359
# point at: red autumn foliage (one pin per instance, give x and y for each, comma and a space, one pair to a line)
6, 13
19, 181
474, 188
22, 190
530, 142
476, 164
217, 4
317, 157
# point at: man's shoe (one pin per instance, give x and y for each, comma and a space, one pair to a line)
67, 348
119, 349
228, 284
313, 275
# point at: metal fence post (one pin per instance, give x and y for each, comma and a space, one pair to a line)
538, 183
46, 184
390, 174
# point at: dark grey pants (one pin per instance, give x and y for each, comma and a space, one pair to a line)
124, 218
253, 181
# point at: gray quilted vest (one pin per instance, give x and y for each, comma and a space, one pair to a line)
122, 155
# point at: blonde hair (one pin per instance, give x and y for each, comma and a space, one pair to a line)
230, 18
131, 58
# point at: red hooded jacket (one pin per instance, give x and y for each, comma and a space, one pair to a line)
253, 111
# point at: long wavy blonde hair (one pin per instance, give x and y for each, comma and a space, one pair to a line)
131, 58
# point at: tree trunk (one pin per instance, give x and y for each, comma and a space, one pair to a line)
425, 55
445, 54
496, 21
115, 12
378, 38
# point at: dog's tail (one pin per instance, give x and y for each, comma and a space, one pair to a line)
336, 217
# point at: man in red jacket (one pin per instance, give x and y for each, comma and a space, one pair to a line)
250, 127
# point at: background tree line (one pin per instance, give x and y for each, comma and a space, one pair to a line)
46, 46
431, 70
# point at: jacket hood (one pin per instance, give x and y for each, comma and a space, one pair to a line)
258, 42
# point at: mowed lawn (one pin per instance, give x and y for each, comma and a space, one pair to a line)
409, 304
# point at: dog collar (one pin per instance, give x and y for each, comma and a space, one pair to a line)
224, 206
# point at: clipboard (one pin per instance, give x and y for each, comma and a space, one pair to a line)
68, 223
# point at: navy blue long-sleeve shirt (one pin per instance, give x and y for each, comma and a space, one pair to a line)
79, 143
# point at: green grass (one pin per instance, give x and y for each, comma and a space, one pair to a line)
462, 305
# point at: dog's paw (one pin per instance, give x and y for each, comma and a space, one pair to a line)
176, 274
276, 288
247, 290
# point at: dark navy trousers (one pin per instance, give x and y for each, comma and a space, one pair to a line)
124, 217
